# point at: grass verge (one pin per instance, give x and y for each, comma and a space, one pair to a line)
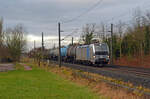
95, 82
40, 84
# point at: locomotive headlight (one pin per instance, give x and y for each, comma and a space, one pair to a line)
93, 56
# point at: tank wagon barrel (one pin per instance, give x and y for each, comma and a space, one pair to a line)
71, 53
64, 53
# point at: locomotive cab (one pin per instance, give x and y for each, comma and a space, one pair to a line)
101, 53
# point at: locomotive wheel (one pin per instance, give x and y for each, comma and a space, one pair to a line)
100, 65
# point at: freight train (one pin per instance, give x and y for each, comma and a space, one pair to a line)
93, 54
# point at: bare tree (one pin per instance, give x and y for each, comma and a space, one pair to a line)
1, 31
88, 32
101, 30
137, 18
120, 31
15, 41
148, 17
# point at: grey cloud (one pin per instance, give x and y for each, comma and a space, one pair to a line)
43, 15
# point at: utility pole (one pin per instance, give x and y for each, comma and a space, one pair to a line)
103, 29
34, 50
42, 46
34, 44
59, 44
42, 42
72, 40
111, 61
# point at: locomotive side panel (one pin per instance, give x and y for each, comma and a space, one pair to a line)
78, 53
83, 53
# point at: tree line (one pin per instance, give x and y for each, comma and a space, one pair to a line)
131, 39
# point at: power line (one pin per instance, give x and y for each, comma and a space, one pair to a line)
88, 10
82, 14
91, 8
124, 14
75, 31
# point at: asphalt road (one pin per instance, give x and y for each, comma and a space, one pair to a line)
6, 67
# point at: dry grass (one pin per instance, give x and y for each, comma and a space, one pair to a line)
95, 82
136, 61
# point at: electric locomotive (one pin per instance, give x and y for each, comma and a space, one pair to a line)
97, 53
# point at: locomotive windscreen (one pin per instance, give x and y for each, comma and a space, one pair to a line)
101, 49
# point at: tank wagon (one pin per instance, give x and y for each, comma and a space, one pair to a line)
64, 53
97, 53
71, 53
54, 54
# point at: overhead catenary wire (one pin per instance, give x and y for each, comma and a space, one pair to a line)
88, 10
82, 14
91, 8
71, 34
125, 14
125, 22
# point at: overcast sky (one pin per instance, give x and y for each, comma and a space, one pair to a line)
43, 15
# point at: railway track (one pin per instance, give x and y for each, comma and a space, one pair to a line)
136, 76
140, 72
133, 71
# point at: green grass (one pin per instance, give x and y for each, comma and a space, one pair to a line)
39, 84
